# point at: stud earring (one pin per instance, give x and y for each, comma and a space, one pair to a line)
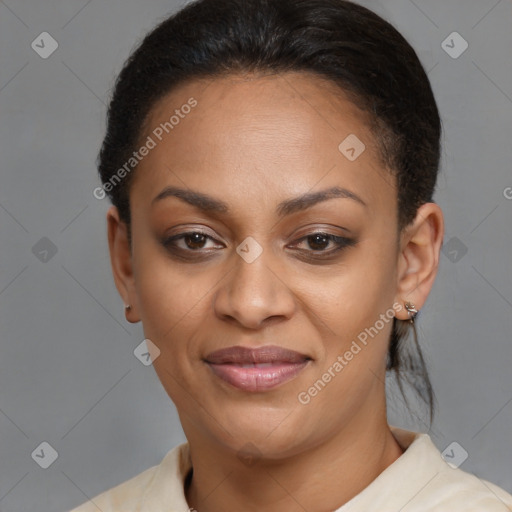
411, 311
127, 307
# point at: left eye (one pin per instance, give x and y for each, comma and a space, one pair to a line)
318, 242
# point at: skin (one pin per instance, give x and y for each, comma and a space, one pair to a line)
253, 142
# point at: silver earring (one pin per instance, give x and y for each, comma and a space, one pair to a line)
127, 307
411, 311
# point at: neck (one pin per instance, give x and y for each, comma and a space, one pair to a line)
322, 477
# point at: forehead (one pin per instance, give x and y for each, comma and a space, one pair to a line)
282, 132
303, 102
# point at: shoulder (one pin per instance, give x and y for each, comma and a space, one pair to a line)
159, 483
421, 480
459, 490
121, 497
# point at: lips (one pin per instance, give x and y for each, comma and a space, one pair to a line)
258, 369
246, 356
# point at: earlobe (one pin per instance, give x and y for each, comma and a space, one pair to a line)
419, 257
121, 262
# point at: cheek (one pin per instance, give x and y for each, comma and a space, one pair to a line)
172, 300
353, 309
173, 308
352, 367
351, 296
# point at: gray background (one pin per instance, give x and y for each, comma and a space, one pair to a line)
68, 375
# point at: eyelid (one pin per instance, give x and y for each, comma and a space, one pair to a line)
340, 242
315, 230
187, 230
179, 236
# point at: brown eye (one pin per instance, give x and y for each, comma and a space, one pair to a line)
317, 245
318, 241
194, 240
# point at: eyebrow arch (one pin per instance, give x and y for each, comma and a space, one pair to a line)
210, 204
309, 199
197, 199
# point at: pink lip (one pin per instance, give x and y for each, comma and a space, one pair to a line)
256, 369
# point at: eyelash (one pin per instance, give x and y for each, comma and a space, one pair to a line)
340, 242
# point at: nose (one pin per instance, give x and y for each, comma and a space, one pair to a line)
253, 294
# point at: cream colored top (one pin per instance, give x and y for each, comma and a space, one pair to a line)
418, 481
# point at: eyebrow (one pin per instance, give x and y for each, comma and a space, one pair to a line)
208, 203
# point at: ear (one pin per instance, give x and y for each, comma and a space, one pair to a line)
121, 261
418, 259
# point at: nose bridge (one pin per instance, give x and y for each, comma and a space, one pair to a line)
252, 271
252, 291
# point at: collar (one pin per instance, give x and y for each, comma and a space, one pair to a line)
420, 466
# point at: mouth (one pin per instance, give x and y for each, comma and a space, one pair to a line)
256, 370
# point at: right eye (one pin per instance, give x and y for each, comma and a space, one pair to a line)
193, 240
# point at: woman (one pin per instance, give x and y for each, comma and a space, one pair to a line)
272, 165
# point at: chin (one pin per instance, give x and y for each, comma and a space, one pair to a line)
273, 432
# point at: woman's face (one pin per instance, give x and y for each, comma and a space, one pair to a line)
278, 236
